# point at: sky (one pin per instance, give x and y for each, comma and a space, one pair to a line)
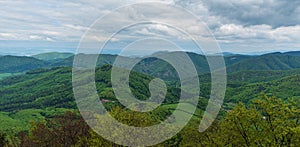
239, 26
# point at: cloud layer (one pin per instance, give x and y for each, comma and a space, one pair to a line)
238, 25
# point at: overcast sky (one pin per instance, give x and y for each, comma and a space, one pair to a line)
241, 26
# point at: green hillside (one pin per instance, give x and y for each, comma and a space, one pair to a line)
235, 63
4, 75
287, 87
52, 87
15, 64
245, 77
37, 89
156, 67
267, 62
44, 93
46, 88
240, 78
16, 121
154, 63
40, 95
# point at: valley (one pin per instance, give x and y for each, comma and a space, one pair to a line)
34, 90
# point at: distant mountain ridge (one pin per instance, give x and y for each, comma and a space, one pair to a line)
52, 56
156, 67
52, 87
277, 61
15, 64
291, 53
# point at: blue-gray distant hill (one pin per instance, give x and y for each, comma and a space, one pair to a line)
274, 61
15, 64
159, 68
52, 56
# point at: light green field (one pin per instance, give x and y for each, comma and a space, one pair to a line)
14, 122
4, 75
183, 113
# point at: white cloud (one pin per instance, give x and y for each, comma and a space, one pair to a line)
259, 33
235, 23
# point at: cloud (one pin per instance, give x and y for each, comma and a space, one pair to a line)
237, 24
259, 32
275, 13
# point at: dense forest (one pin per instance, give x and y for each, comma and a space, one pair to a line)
266, 121
261, 106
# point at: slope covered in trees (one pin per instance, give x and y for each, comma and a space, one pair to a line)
267, 62
156, 67
33, 102
53, 87
287, 87
266, 121
15, 64
46, 88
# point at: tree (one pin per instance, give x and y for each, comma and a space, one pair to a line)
3, 140
268, 121
61, 131
280, 119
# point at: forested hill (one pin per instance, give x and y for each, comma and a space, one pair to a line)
157, 67
52, 87
245, 77
267, 62
14, 64
46, 88
286, 87
39, 95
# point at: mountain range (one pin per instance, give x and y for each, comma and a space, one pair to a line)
40, 88
156, 67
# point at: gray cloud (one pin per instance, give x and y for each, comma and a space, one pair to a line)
275, 13
237, 24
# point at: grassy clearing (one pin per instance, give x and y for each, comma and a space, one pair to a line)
5, 75
15, 122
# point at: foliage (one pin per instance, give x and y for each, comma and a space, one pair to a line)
46, 88
16, 64
3, 140
287, 87
40, 96
17, 121
62, 130
267, 62
268, 121
4, 75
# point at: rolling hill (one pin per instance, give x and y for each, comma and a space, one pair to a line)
43, 88
292, 53
266, 62
241, 78
16, 64
235, 63
52, 88
157, 67
286, 87
44, 92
